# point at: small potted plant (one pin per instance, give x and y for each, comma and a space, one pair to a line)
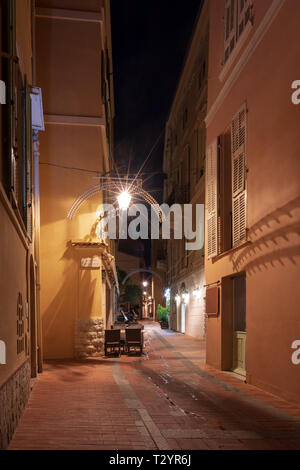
163, 316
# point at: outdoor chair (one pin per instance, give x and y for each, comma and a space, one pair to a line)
134, 340
112, 342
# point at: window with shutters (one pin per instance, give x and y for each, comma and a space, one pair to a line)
238, 156
21, 154
244, 8
5, 68
226, 196
225, 191
237, 15
27, 184
201, 150
16, 122
184, 254
212, 200
230, 26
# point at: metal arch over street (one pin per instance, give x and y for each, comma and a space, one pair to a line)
141, 271
113, 185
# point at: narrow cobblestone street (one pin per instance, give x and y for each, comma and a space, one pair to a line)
166, 399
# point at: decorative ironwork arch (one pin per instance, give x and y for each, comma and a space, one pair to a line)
111, 185
142, 271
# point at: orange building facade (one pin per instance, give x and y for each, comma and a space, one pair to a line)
252, 193
20, 339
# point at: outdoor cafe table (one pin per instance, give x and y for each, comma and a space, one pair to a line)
132, 326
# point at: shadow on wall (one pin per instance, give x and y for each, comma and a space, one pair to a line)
92, 236
277, 245
58, 318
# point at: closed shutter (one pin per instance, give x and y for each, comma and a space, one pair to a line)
238, 154
243, 16
212, 200
230, 27
28, 140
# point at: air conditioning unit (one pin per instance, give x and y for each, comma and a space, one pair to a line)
2, 92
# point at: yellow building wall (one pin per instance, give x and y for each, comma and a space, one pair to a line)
71, 155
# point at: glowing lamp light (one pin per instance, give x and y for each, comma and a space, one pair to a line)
167, 293
145, 283
144, 293
178, 299
185, 297
197, 293
124, 200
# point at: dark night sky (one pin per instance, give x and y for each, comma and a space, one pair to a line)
150, 39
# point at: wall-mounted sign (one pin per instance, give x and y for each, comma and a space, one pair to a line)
37, 109
91, 263
212, 301
2, 92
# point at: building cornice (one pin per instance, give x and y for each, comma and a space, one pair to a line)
65, 120
68, 15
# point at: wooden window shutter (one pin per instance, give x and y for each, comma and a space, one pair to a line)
230, 27
238, 155
243, 16
28, 153
212, 200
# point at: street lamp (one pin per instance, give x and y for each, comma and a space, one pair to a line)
124, 200
185, 297
145, 283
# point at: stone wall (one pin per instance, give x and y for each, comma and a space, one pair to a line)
89, 337
14, 395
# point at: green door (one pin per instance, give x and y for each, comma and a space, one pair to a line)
239, 325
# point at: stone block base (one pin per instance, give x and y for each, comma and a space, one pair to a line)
14, 395
89, 337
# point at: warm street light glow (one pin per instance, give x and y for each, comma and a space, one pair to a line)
145, 293
197, 293
124, 200
185, 297
167, 293
145, 283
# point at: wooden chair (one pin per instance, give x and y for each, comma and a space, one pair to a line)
134, 339
112, 342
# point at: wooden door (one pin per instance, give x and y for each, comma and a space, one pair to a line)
239, 325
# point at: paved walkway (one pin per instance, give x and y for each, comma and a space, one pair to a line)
166, 399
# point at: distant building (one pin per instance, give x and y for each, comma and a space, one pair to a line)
21, 348
184, 162
159, 269
134, 267
78, 275
252, 192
